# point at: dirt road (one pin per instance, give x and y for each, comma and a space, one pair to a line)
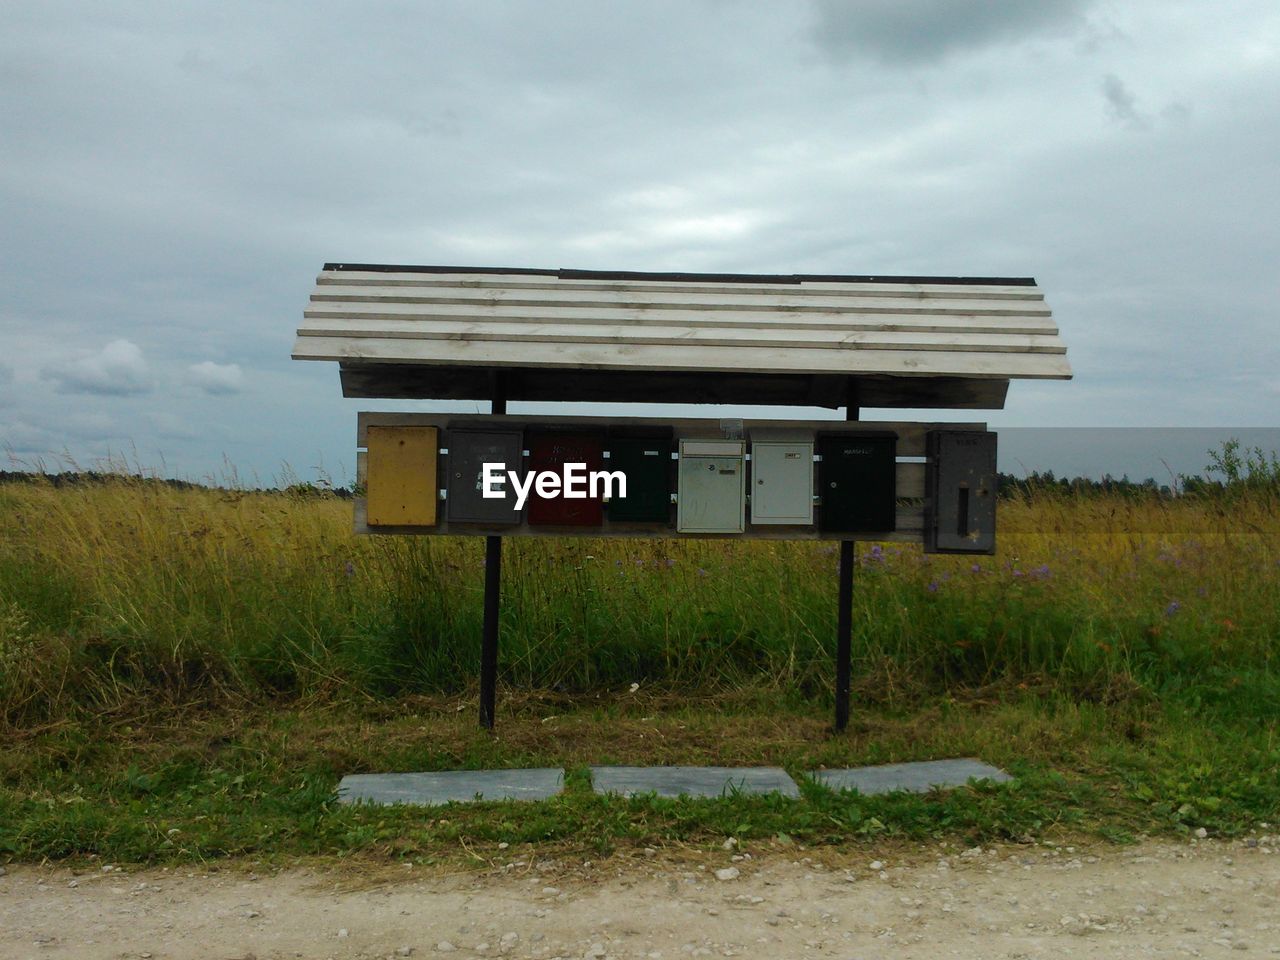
1161, 900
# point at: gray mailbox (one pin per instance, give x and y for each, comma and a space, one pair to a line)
960, 492
782, 482
469, 451
712, 490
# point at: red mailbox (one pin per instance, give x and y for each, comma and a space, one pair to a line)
550, 452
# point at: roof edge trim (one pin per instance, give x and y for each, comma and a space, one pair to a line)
567, 274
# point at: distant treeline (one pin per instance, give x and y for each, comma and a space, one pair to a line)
78, 478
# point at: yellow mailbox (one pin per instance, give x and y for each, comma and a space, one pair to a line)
401, 476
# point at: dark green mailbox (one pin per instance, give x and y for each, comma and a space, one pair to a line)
857, 481
646, 461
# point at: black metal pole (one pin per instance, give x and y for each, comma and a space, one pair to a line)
844, 600
844, 635
492, 589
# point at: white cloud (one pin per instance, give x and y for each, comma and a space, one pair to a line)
218, 379
118, 370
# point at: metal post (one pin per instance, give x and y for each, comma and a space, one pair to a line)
492, 588
844, 601
844, 635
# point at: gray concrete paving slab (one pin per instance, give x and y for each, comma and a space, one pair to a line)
445, 786
692, 781
919, 777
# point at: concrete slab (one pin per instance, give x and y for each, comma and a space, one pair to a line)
692, 781
457, 786
920, 777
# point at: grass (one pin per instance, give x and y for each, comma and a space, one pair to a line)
185, 674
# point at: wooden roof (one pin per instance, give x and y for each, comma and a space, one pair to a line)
442, 332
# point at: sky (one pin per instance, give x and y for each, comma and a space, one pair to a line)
174, 175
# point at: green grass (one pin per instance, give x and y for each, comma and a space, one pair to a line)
185, 674
196, 786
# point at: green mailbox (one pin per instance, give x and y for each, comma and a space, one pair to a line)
646, 461
857, 482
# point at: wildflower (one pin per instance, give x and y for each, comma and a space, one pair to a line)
933, 586
976, 568
669, 563
1042, 571
1173, 607
349, 569
701, 572
877, 553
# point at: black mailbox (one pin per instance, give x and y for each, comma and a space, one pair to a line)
857, 482
646, 461
960, 492
469, 451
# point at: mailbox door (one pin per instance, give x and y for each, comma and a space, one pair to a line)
400, 478
960, 492
712, 491
857, 482
781, 482
469, 450
646, 461
551, 452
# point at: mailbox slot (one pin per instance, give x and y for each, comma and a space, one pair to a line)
712, 487
857, 482
469, 450
551, 451
781, 482
401, 489
960, 492
646, 461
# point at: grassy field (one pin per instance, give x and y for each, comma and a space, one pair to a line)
186, 674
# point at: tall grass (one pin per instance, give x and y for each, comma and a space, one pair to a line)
129, 592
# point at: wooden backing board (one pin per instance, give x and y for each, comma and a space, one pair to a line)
910, 472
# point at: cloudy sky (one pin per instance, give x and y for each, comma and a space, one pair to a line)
173, 175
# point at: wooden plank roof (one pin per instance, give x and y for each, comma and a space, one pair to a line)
438, 332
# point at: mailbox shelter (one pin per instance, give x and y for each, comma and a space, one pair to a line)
849, 343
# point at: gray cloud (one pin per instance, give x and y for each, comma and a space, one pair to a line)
118, 370
217, 379
1122, 105
924, 31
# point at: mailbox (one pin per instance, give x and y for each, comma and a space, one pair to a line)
857, 481
550, 452
400, 476
646, 461
781, 482
469, 451
960, 492
711, 497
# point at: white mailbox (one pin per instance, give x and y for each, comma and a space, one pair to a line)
781, 482
712, 487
